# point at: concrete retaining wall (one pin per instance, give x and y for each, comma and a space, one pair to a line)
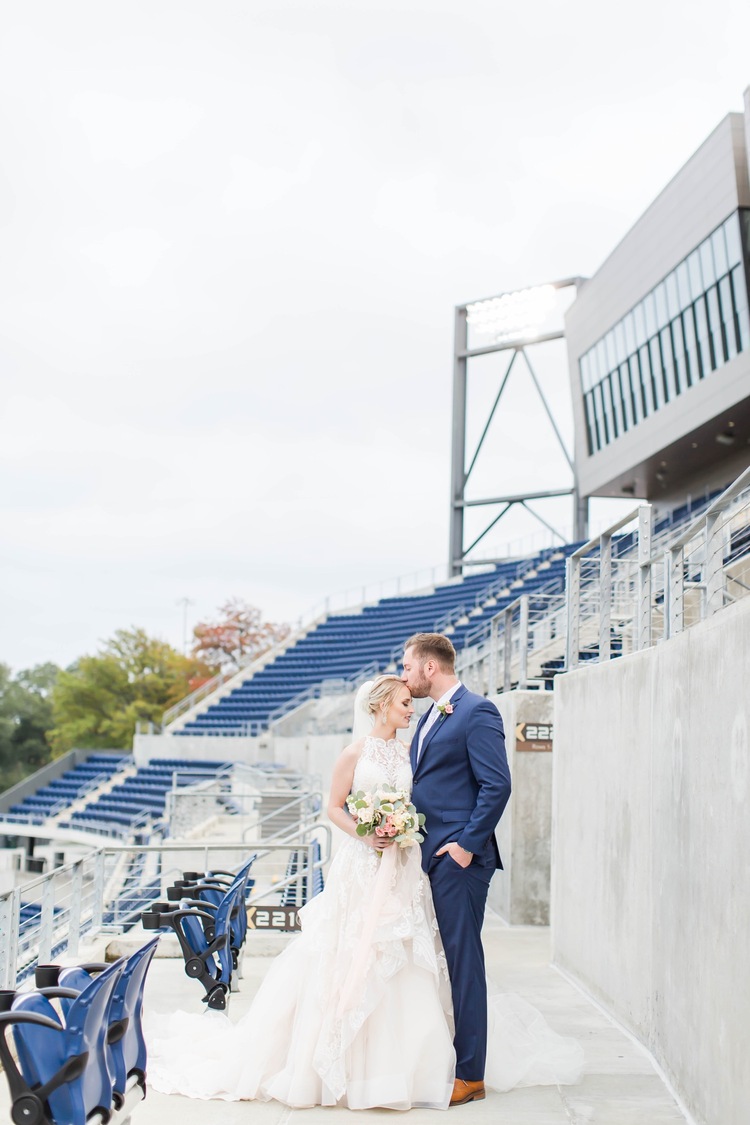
651, 838
308, 753
521, 892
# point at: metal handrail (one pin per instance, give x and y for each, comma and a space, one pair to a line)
86, 881
715, 508
315, 691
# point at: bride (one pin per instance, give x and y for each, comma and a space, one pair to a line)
356, 1011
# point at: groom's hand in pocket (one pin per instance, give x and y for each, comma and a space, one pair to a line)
458, 854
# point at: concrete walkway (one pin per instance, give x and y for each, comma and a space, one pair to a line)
620, 1086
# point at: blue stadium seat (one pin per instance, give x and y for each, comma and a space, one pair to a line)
205, 938
62, 1074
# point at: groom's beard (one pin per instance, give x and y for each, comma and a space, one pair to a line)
419, 686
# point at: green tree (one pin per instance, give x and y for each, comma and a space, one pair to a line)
98, 701
25, 721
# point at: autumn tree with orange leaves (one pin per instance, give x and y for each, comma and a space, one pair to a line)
240, 634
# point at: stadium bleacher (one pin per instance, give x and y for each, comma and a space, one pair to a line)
138, 803
343, 645
52, 799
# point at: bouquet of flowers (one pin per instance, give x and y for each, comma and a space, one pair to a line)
387, 813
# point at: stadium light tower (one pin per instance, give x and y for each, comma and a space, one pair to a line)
510, 322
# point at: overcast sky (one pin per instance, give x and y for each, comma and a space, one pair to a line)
232, 235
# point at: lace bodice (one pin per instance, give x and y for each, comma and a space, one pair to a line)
382, 763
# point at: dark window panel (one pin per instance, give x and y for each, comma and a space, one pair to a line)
657, 372
622, 389
714, 326
609, 414
726, 305
667, 361
615, 405
633, 384
600, 413
589, 412
739, 304
677, 344
702, 334
646, 380
691, 347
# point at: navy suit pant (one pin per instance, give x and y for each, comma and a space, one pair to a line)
460, 895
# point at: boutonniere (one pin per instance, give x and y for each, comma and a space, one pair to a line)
444, 709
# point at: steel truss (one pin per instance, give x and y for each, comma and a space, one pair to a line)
460, 474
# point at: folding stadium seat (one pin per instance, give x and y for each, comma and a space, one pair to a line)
207, 959
206, 890
62, 1074
126, 1046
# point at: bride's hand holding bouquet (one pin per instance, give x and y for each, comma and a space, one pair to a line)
386, 817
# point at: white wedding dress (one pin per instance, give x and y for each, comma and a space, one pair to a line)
356, 1011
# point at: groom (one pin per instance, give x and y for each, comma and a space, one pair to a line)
462, 784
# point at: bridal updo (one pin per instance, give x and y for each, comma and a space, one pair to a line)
372, 698
383, 692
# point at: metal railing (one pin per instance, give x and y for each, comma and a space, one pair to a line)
79, 900
508, 650
711, 557
666, 584
272, 803
603, 590
625, 589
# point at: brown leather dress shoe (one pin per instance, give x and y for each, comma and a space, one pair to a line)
466, 1092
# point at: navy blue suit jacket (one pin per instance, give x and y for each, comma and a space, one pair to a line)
462, 782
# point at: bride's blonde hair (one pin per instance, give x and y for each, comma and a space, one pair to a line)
383, 692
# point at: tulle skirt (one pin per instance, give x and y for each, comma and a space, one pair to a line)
356, 1011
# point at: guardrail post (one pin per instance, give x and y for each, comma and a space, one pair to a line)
714, 572
523, 641
97, 909
605, 596
46, 920
492, 685
76, 898
674, 591
507, 648
9, 922
643, 609
572, 610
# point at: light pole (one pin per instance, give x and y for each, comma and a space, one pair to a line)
184, 602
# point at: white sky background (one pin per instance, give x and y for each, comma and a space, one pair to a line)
231, 239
